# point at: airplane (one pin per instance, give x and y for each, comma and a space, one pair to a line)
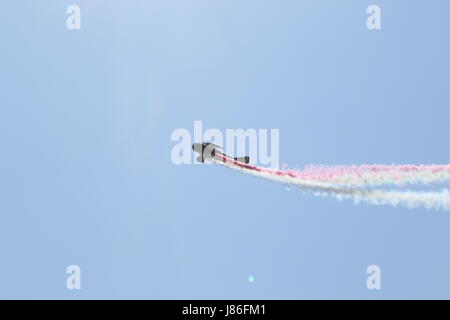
209, 151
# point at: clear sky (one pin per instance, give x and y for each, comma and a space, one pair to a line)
86, 176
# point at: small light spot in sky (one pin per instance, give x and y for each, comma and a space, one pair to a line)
251, 279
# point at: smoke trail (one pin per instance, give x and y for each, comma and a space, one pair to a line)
373, 175
352, 182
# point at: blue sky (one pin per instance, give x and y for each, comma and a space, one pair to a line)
86, 176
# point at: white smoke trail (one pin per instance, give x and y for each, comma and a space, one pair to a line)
409, 199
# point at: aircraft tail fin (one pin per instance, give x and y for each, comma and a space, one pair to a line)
245, 159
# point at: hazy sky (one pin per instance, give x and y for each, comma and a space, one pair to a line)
86, 176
